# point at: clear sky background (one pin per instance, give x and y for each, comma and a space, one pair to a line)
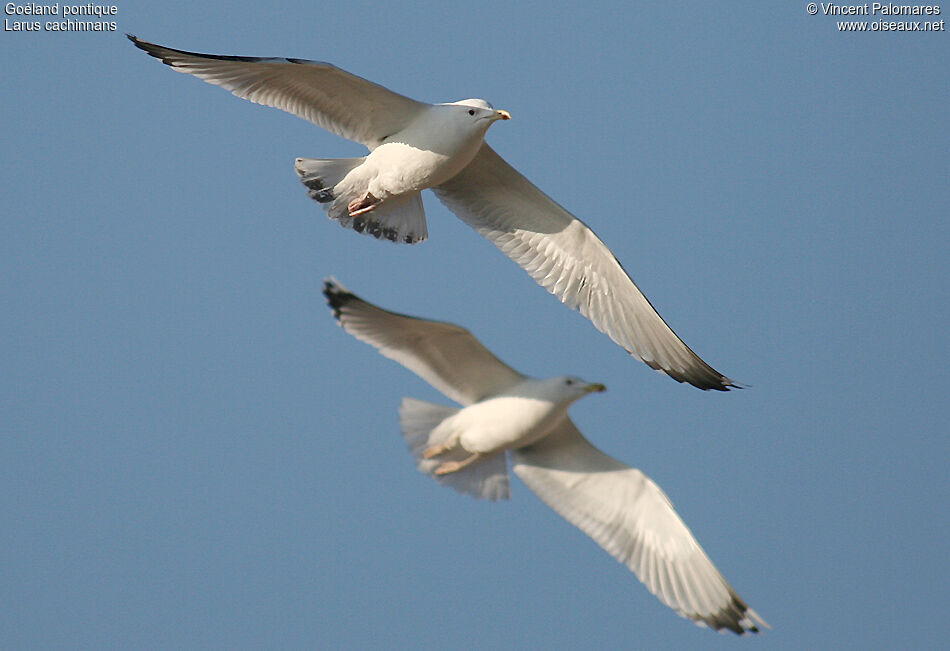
194, 455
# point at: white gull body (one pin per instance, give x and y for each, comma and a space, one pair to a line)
413, 146
507, 414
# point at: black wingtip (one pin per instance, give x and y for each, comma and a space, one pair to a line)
149, 48
723, 384
337, 296
738, 618
710, 381
139, 43
701, 375
169, 55
707, 378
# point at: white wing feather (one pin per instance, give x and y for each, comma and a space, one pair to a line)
331, 98
630, 517
445, 355
558, 250
565, 257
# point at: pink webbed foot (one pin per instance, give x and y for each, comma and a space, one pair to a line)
455, 466
362, 205
435, 450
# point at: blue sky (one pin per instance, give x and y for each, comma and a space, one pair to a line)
194, 455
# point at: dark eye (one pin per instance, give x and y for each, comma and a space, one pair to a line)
568, 381
471, 111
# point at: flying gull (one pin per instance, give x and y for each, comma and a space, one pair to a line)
415, 145
507, 412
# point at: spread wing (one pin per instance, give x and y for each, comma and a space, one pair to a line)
333, 99
630, 517
446, 356
565, 257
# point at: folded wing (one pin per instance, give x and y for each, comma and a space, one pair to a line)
630, 517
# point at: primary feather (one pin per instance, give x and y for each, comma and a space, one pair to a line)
616, 505
558, 250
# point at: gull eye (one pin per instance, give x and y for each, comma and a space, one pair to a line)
568, 381
471, 111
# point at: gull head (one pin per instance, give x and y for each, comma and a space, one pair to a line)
565, 389
477, 112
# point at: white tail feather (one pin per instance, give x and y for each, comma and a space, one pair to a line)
321, 175
400, 218
484, 479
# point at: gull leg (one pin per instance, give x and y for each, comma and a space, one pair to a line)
455, 466
442, 448
362, 205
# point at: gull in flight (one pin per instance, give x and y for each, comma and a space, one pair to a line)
413, 146
507, 414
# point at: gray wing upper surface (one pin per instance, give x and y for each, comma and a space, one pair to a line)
558, 250
630, 517
331, 98
445, 355
565, 257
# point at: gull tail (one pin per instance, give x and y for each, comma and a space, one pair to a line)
484, 479
322, 175
399, 218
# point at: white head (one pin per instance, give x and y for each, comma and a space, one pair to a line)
477, 112
566, 389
